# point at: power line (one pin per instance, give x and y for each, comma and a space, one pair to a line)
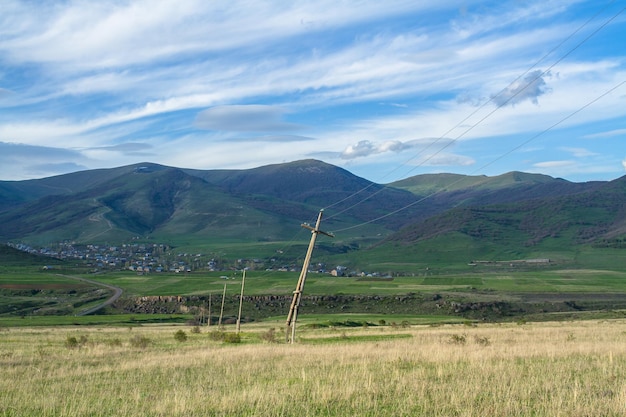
492, 161
499, 106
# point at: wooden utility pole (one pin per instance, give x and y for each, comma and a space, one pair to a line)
297, 294
243, 281
219, 323
208, 322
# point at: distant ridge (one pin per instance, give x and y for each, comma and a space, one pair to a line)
596, 214
268, 203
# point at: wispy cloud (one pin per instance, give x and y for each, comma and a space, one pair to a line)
118, 81
129, 148
26, 161
607, 134
579, 152
247, 118
554, 164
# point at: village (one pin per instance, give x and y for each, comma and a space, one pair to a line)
144, 258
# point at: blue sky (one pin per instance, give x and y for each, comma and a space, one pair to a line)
386, 90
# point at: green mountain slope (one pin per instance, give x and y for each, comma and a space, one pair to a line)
138, 202
267, 204
149, 200
582, 218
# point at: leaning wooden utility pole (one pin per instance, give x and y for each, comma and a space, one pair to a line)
297, 294
243, 282
219, 322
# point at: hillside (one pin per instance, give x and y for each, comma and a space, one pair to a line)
267, 204
595, 216
145, 201
441, 192
287, 188
11, 257
263, 204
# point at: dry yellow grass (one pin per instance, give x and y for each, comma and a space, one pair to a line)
538, 369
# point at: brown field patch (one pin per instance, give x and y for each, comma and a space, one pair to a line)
56, 286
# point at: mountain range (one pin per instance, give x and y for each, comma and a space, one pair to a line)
268, 204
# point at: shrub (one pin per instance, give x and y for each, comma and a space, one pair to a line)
269, 336
140, 341
180, 336
71, 342
457, 339
482, 340
217, 335
195, 330
232, 338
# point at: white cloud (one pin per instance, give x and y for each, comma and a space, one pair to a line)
608, 134
107, 34
579, 152
248, 118
366, 148
554, 164
118, 80
530, 87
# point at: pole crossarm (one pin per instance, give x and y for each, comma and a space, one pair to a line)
313, 230
297, 294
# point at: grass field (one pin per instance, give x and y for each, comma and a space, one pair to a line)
25, 292
283, 283
540, 369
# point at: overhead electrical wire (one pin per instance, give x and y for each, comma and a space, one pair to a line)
492, 161
482, 106
479, 108
519, 91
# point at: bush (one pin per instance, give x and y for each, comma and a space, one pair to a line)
140, 342
457, 339
73, 343
269, 336
195, 330
222, 336
217, 335
482, 340
232, 338
180, 336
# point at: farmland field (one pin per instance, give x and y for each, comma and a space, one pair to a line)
493, 293
540, 369
283, 283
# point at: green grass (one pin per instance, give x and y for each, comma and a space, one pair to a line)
593, 278
283, 283
129, 320
341, 320
347, 338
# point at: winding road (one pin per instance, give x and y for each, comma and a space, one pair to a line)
117, 293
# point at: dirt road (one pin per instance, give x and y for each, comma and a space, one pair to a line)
117, 293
